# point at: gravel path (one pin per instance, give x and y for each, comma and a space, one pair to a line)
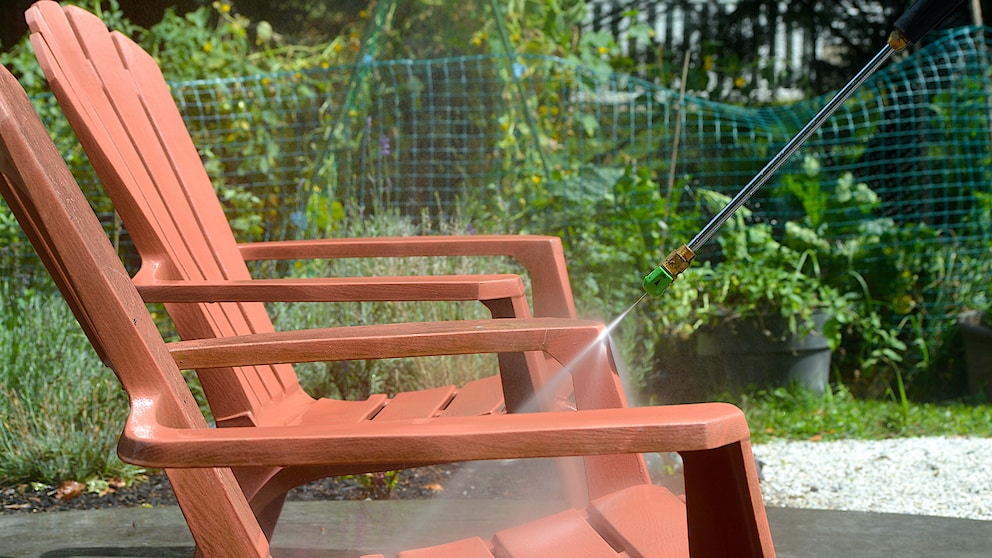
948, 477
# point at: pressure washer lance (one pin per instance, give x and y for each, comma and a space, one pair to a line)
918, 20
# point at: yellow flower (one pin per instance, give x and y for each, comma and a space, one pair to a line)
364, 14
708, 62
739, 82
535, 179
904, 304
338, 47
208, 47
603, 51
266, 81
478, 37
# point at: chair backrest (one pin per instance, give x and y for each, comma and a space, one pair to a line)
117, 101
45, 199
47, 202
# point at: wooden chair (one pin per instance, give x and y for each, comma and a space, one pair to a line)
721, 515
118, 103
115, 97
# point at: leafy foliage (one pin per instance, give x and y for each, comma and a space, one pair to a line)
886, 267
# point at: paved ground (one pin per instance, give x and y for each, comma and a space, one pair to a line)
343, 529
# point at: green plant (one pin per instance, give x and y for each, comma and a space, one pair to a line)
61, 410
797, 414
254, 131
973, 292
757, 277
12, 239
831, 216
613, 221
359, 379
886, 269
216, 41
20, 60
378, 485
209, 42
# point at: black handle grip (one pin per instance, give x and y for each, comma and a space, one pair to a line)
923, 16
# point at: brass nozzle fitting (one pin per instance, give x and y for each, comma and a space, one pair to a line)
898, 40
678, 260
664, 275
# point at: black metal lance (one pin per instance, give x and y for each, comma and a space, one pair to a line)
916, 22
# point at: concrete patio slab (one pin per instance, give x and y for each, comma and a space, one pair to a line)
347, 529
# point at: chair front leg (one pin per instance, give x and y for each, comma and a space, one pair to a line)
723, 503
218, 515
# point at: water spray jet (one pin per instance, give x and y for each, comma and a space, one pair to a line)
543, 398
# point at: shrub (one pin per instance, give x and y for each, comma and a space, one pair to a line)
61, 410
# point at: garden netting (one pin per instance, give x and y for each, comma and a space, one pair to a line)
543, 145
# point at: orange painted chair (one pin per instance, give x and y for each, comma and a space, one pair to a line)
721, 514
117, 101
119, 105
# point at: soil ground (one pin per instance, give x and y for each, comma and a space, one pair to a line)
462, 480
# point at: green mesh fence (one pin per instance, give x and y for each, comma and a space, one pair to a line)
534, 144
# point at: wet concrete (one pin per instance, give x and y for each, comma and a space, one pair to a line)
346, 529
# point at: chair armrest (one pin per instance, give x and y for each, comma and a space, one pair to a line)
541, 256
595, 382
562, 339
337, 289
680, 428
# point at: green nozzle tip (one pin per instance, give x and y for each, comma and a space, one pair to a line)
658, 281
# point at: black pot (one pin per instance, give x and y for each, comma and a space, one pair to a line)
737, 355
978, 354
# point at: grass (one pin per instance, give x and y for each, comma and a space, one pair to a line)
796, 414
359, 379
